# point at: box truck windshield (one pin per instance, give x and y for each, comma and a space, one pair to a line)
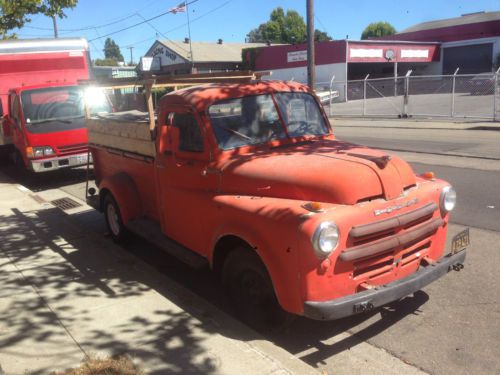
55, 109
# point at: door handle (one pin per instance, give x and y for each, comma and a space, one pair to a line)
183, 163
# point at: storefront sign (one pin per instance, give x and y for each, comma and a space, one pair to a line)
297, 56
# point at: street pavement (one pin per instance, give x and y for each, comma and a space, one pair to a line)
450, 327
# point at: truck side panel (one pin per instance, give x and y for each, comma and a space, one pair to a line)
139, 172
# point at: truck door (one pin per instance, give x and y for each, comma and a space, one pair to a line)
15, 124
182, 157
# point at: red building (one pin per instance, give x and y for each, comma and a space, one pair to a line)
469, 42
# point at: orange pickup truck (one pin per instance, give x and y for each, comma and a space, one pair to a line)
248, 179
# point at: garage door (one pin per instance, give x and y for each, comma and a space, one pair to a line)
470, 59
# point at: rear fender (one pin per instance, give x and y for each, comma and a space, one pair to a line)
123, 189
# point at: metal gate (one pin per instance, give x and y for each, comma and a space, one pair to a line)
475, 96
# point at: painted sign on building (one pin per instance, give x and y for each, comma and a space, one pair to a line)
166, 56
296, 56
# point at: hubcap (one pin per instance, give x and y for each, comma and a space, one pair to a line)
114, 225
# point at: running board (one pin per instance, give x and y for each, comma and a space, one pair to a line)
151, 232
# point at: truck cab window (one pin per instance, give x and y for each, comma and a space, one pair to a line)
190, 137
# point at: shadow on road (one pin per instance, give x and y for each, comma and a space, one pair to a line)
46, 180
312, 337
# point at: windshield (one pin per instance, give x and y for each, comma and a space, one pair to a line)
255, 120
58, 108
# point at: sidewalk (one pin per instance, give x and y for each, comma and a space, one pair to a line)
66, 292
414, 123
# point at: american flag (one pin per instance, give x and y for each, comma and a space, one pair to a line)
179, 8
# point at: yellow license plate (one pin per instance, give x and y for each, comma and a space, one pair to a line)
460, 241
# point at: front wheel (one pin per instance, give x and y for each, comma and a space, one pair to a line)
251, 291
113, 219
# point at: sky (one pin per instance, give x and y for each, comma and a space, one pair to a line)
231, 20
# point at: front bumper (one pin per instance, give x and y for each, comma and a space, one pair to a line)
44, 165
383, 294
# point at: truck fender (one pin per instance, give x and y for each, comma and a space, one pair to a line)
273, 264
123, 189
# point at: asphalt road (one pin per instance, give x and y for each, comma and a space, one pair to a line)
450, 327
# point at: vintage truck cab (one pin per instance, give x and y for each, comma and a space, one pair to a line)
249, 179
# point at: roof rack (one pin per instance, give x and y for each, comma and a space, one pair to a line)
177, 80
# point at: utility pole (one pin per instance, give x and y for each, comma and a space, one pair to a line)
311, 63
55, 26
189, 34
131, 55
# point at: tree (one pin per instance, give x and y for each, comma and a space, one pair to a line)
283, 27
321, 36
112, 51
378, 29
15, 13
105, 62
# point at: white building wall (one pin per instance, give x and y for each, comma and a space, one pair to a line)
324, 74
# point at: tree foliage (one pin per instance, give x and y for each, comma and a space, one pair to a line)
378, 29
105, 62
16, 13
112, 50
283, 27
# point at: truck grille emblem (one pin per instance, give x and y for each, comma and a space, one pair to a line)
396, 207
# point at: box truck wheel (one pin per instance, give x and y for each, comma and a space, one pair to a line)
251, 291
113, 219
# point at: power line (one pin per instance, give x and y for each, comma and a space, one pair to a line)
203, 15
321, 23
86, 28
159, 32
141, 23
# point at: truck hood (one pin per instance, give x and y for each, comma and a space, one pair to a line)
325, 171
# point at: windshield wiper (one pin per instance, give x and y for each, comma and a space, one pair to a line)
234, 132
64, 121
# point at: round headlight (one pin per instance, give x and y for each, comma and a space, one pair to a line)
448, 199
326, 238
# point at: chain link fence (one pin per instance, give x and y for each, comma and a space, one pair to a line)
474, 96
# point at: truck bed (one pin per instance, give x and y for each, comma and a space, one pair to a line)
127, 131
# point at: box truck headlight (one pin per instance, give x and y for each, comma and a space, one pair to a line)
325, 238
48, 151
38, 152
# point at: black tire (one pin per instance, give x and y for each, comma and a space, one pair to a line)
17, 160
251, 291
112, 215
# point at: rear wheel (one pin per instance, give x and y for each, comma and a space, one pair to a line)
251, 291
113, 219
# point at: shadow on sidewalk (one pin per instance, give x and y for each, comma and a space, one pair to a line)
79, 275
74, 269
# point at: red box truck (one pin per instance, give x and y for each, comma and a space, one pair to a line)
41, 104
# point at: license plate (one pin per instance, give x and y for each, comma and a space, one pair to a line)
82, 159
460, 241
